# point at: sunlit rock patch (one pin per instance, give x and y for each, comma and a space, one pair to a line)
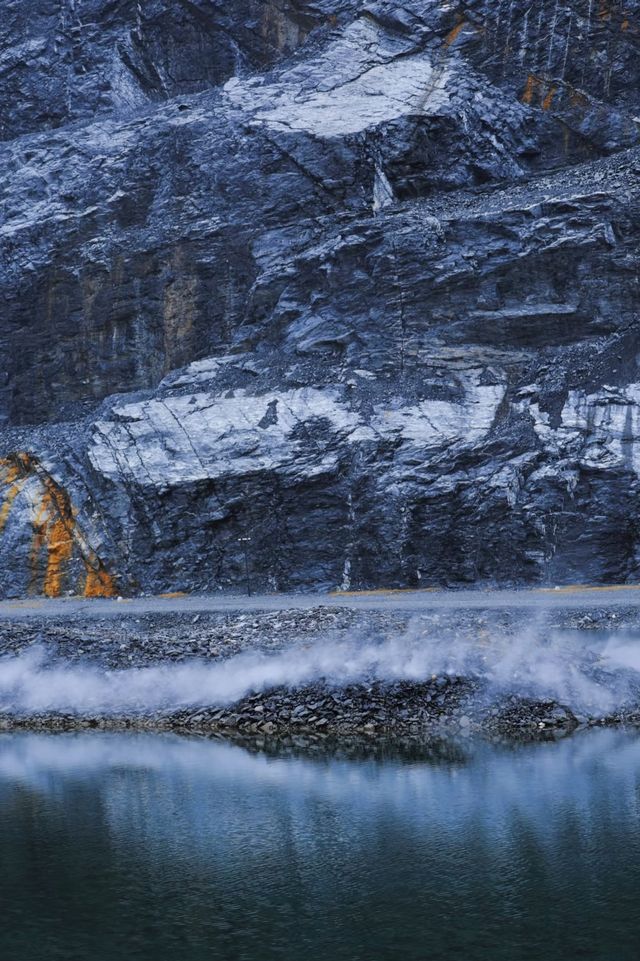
190, 437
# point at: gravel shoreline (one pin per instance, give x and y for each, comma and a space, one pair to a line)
440, 705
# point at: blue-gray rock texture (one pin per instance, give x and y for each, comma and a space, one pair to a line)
345, 293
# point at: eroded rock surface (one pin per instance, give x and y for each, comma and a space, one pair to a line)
356, 281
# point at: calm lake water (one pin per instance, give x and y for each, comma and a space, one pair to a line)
146, 847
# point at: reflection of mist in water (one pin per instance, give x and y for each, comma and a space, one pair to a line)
591, 674
482, 784
213, 851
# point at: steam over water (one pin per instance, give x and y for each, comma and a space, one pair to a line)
593, 675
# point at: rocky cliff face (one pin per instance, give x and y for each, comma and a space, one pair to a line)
357, 281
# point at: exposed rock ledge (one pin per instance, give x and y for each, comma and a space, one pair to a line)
344, 291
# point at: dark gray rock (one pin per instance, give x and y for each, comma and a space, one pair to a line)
353, 280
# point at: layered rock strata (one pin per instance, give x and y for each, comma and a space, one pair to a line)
347, 287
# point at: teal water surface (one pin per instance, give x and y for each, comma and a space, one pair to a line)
156, 848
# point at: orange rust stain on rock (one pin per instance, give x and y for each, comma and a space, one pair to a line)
39, 525
453, 35
57, 534
578, 99
55, 531
99, 583
7, 504
531, 86
15, 483
536, 89
59, 552
10, 471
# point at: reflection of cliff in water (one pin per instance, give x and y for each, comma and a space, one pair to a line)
252, 854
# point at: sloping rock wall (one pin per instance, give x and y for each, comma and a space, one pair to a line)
356, 281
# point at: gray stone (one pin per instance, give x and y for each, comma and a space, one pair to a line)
341, 292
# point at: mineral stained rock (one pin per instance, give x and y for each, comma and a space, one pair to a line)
358, 281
